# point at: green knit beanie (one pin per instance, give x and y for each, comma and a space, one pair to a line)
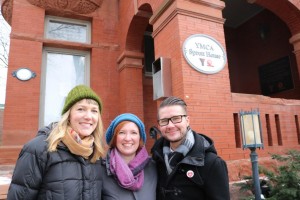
77, 94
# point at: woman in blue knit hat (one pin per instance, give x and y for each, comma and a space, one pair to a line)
63, 160
128, 171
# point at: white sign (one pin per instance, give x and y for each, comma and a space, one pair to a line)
204, 53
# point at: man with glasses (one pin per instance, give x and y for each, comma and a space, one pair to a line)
187, 162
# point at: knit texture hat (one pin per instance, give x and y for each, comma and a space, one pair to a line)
77, 94
125, 117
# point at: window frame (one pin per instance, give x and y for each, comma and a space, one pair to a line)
47, 50
48, 18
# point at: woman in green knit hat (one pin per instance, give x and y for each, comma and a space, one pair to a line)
63, 161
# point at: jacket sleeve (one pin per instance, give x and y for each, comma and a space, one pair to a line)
216, 181
27, 176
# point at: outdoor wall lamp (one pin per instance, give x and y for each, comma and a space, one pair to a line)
24, 74
252, 139
154, 131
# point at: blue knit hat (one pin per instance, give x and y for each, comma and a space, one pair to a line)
125, 117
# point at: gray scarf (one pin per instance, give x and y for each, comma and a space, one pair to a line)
173, 158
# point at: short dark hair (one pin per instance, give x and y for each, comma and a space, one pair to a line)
172, 101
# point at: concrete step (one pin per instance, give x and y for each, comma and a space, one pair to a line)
6, 172
3, 191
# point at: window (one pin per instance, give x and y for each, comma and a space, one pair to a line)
237, 130
149, 56
62, 70
67, 29
297, 128
278, 129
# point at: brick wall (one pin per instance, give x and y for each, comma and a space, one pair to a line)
1, 122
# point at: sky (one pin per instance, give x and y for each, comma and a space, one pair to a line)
4, 31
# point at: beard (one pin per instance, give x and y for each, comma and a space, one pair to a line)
177, 139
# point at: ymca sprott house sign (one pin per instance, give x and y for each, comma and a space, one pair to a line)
204, 53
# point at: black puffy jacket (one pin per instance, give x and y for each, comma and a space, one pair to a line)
58, 175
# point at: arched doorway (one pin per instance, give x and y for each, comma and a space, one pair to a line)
262, 59
135, 68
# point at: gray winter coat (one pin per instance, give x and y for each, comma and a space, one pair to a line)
111, 190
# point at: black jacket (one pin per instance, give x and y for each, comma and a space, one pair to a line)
57, 175
200, 175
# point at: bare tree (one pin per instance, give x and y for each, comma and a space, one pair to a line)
4, 50
4, 41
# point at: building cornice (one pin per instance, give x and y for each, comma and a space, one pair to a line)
70, 6
6, 9
130, 59
170, 9
58, 6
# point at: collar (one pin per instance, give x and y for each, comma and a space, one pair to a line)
195, 156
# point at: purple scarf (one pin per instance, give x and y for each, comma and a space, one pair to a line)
129, 176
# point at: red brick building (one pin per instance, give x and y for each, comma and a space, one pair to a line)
110, 45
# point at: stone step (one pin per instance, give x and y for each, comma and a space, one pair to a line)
6, 172
3, 191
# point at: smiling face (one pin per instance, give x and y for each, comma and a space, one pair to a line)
128, 141
84, 116
174, 133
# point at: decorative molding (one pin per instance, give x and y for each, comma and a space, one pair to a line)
70, 6
163, 7
130, 59
201, 16
6, 9
186, 13
260, 99
66, 44
295, 3
183, 10
140, 13
210, 3
295, 38
295, 41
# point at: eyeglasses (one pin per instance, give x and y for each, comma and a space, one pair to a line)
175, 120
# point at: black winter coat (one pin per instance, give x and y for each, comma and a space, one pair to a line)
58, 175
201, 175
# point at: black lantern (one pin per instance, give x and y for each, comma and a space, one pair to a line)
252, 139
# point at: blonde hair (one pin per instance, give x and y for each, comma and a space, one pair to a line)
59, 131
